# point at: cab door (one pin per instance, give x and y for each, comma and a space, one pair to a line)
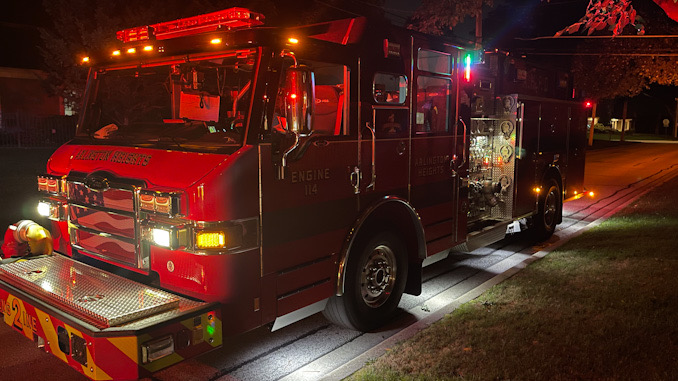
435, 173
385, 115
385, 145
307, 198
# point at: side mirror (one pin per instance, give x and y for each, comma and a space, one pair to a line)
299, 103
299, 99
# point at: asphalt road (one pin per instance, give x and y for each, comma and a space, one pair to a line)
314, 349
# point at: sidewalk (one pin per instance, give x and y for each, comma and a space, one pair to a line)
602, 144
655, 141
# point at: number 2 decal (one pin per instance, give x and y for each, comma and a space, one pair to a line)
16, 316
16, 312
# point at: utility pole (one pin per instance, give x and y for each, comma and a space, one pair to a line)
479, 27
594, 104
626, 103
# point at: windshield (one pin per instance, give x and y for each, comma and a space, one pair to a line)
199, 105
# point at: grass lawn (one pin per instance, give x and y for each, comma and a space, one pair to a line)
19, 187
603, 306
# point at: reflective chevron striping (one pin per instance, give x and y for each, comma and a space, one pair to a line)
118, 356
126, 345
91, 369
50, 335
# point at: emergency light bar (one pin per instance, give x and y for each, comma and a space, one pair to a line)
230, 18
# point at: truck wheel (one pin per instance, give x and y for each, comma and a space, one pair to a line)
375, 280
550, 207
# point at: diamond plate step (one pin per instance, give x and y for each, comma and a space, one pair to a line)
102, 298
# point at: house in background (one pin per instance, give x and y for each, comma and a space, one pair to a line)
29, 115
21, 90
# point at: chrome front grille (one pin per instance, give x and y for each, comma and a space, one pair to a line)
110, 198
103, 220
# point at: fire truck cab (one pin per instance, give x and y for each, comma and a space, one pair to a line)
227, 175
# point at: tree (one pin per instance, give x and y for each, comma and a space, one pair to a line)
613, 15
624, 67
439, 16
623, 76
621, 66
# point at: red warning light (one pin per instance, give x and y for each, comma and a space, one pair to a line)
231, 18
467, 67
588, 104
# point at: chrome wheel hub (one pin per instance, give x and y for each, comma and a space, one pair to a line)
378, 276
550, 208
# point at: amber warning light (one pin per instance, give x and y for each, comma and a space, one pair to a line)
231, 18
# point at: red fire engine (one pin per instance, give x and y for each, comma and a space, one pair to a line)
226, 175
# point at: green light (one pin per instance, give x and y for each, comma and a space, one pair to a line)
210, 330
467, 67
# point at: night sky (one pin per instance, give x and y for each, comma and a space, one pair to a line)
19, 22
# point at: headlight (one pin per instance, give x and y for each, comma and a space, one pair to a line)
161, 237
54, 210
202, 237
165, 235
44, 208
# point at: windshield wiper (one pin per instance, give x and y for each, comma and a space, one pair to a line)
172, 138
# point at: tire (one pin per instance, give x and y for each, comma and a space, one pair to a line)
549, 209
375, 278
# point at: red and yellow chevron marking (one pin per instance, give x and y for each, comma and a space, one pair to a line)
111, 358
108, 358
119, 356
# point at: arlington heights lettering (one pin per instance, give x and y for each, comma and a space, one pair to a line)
113, 156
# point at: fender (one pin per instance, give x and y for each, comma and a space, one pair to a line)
381, 208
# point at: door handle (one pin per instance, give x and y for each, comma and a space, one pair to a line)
402, 147
374, 145
453, 170
519, 124
355, 179
463, 153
